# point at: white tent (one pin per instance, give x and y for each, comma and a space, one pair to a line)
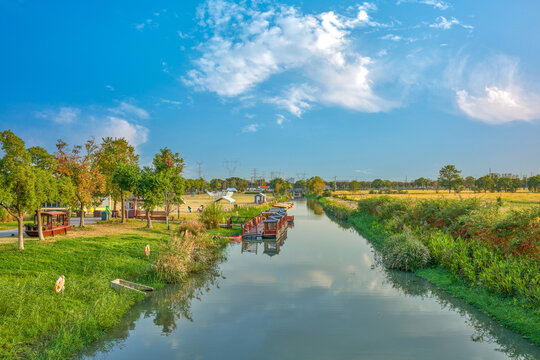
227, 198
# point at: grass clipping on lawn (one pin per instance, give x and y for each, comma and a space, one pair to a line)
189, 250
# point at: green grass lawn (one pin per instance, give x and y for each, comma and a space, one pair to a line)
35, 322
8, 225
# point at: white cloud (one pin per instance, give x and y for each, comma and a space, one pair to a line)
493, 90
280, 119
66, 115
441, 5
442, 23
126, 109
497, 106
251, 128
295, 100
118, 128
247, 46
171, 102
110, 87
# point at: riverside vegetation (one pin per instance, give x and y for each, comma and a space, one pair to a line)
37, 323
467, 247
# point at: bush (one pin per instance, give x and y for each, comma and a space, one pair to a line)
190, 228
405, 252
181, 257
212, 215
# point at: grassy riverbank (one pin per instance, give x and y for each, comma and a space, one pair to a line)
37, 323
515, 308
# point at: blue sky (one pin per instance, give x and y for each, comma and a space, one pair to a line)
358, 90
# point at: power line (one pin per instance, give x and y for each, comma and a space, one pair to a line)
231, 166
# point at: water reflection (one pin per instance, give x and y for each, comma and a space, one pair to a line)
323, 297
314, 206
166, 307
485, 329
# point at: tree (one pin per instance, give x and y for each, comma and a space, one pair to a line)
150, 187
168, 167
485, 183
46, 184
300, 184
112, 152
279, 185
178, 188
80, 167
421, 182
316, 185
533, 183
125, 178
449, 178
215, 184
354, 186
17, 180
377, 184
469, 182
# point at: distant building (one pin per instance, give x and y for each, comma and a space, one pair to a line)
260, 198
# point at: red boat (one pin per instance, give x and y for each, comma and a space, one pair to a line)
53, 222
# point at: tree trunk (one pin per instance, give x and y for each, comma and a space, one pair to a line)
148, 220
178, 210
123, 207
81, 223
20, 219
40, 224
114, 206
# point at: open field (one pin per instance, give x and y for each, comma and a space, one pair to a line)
517, 200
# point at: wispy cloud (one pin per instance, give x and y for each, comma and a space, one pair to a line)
251, 128
280, 119
441, 5
64, 115
247, 46
129, 109
442, 23
493, 91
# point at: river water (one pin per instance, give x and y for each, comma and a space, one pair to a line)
317, 295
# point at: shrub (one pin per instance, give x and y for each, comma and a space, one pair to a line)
180, 257
212, 215
405, 252
190, 228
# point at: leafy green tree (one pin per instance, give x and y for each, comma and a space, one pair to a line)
377, 184
150, 187
449, 178
279, 186
80, 166
300, 184
17, 180
215, 184
421, 182
178, 188
533, 183
469, 182
169, 166
485, 183
112, 152
316, 185
46, 184
125, 178
354, 186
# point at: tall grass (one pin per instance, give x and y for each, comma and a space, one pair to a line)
212, 215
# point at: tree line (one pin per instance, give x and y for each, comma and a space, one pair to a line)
81, 176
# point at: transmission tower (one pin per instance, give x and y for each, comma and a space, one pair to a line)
231, 166
300, 176
199, 169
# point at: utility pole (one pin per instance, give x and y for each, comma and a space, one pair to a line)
335, 185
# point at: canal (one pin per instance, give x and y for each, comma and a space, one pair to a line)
318, 295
